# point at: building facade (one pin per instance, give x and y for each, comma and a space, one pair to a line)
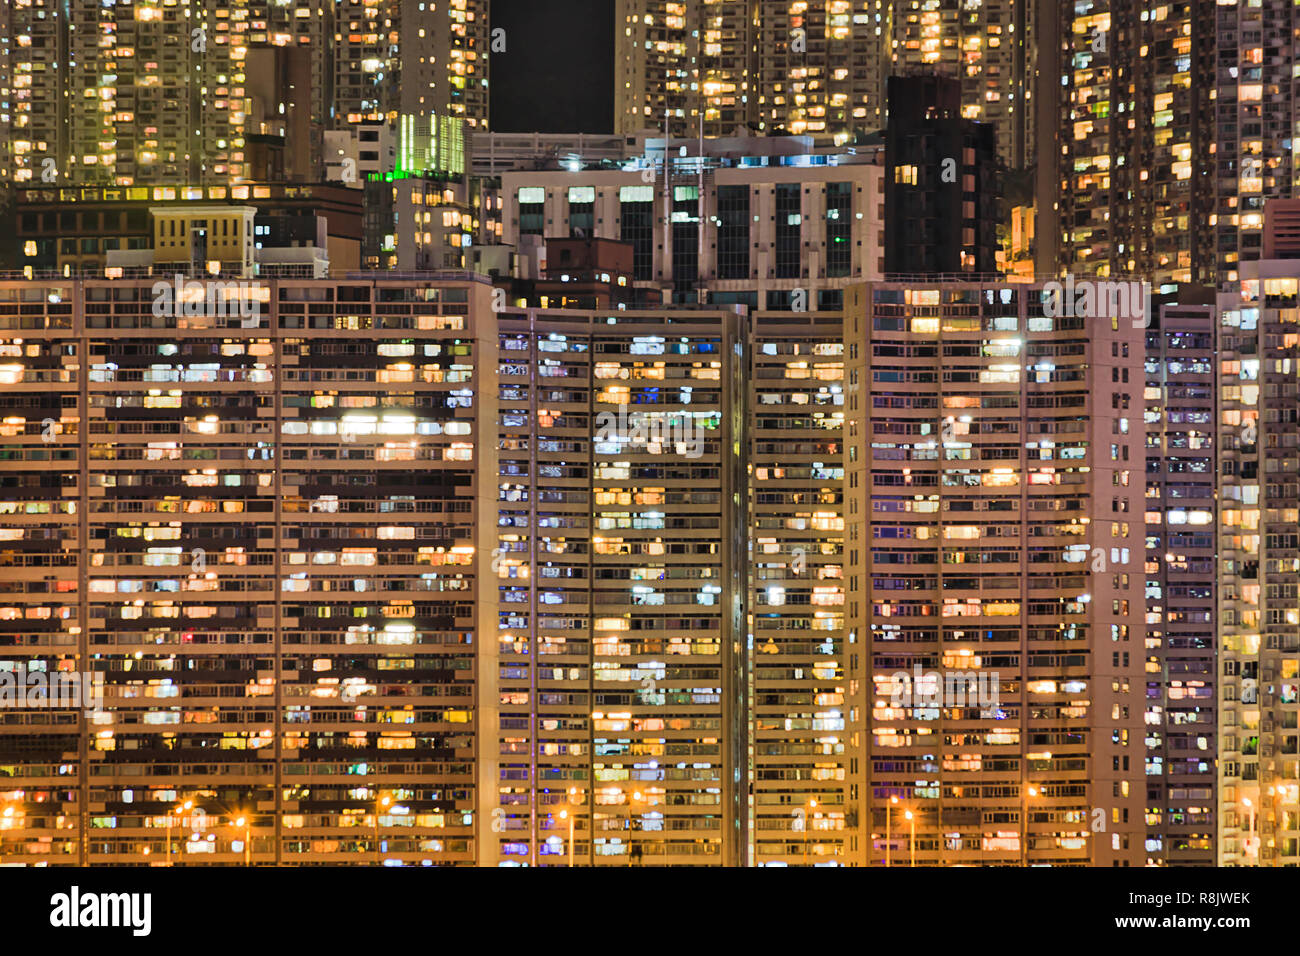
159, 93
769, 66
994, 543
802, 756
620, 565
819, 68
989, 46
261, 517
1259, 562
76, 230
1175, 127
216, 91
757, 222
393, 57
304, 577
668, 611
1181, 580
1137, 189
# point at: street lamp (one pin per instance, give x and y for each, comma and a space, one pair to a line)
638, 796
566, 815
1030, 791
1250, 834
239, 819
247, 823
183, 808
9, 821
911, 843
807, 827
889, 833
571, 813
381, 804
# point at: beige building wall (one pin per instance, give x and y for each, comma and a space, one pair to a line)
994, 529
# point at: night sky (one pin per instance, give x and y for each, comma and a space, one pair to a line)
557, 73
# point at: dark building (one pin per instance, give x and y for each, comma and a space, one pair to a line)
73, 228
941, 181
586, 274
287, 139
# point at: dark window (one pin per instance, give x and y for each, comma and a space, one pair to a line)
638, 228
733, 232
789, 222
778, 300
686, 237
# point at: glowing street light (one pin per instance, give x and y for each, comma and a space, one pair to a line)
1250, 833
247, 824
637, 796
383, 803
1029, 791
889, 832
807, 828
179, 811
571, 814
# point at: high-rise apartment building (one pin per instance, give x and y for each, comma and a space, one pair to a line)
659, 70
7, 93
687, 647
990, 46
1259, 569
366, 72
266, 514
410, 57
1181, 580
1253, 124
229, 477
802, 760
819, 68
1135, 164
619, 697
1175, 127
196, 91
262, 512
942, 182
773, 66
994, 539
158, 93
